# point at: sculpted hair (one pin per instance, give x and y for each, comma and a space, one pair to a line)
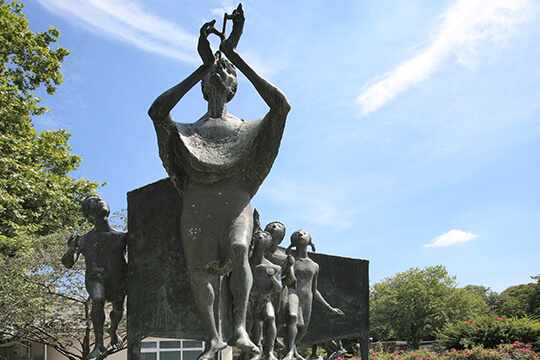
294, 242
88, 207
234, 86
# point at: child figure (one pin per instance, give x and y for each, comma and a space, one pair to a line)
277, 256
266, 284
300, 299
104, 251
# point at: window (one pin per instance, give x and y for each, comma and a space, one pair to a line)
170, 349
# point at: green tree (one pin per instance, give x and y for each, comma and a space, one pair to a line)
534, 299
416, 304
37, 196
491, 297
516, 300
39, 201
521, 300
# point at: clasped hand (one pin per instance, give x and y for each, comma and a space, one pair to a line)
228, 45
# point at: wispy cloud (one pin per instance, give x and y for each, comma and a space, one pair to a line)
452, 237
128, 22
227, 7
466, 25
312, 204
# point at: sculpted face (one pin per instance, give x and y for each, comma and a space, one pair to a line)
95, 207
277, 230
300, 238
222, 78
261, 240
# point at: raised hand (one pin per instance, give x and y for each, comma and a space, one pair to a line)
203, 47
73, 241
228, 45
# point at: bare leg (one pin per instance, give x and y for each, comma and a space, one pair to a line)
270, 332
204, 297
116, 316
291, 330
301, 332
96, 291
254, 331
98, 318
241, 277
255, 334
201, 248
216, 227
291, 335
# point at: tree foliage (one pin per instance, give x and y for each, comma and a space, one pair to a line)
37, 196
39, 201
416, 304
28, 62
520, 300
490, 297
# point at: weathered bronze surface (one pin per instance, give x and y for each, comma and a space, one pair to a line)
160, 301
104, 252
217, 164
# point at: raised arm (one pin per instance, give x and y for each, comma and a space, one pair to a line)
162, 106
289, 278
72, 254
275, 279
274, 98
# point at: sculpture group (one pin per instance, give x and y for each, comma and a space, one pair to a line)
279, 305
216, 165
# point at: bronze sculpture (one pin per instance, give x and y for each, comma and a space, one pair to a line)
217, 164
300, 299
104, 251
266, 283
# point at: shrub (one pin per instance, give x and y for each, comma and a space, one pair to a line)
489, 332
516, 351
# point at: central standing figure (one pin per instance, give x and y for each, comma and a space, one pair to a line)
217, 164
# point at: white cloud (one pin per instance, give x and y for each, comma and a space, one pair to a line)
452, 237
228, 7
129, 22
466, 25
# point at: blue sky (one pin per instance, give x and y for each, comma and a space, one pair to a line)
413, 136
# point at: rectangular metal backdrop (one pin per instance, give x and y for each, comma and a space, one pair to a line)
160, 303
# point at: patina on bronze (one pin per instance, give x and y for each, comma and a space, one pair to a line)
300, 299
267, 282
104, 251
217, 164
158, 276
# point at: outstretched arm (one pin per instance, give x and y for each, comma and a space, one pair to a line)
274, 98
319, 298
162, 106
